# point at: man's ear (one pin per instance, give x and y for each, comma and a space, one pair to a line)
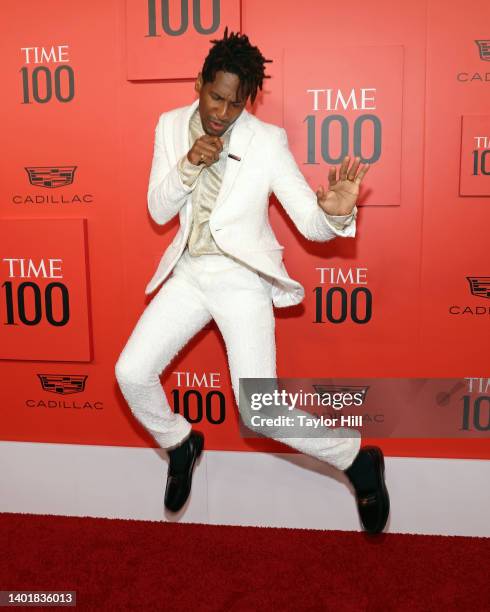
198, 83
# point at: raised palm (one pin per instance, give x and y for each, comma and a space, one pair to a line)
343, 192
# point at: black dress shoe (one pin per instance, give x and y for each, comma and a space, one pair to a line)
179, 477
367, 476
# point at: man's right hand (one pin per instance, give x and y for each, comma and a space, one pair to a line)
205, 150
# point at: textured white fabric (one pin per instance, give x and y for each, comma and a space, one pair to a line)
239, 223
206, 183
239, 300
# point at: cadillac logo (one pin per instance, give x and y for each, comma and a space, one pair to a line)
484, 48
51, 176
63, 384
480, 286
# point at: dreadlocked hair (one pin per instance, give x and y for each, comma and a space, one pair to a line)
234, 53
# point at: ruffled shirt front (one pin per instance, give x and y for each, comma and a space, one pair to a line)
206, 181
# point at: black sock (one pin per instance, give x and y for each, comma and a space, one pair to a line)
179, 456
362, 473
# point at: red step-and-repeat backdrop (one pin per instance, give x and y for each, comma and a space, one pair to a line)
406, 86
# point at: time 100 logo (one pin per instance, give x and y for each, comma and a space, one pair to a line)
184, 17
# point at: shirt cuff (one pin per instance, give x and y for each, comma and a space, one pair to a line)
189, 173
340, 222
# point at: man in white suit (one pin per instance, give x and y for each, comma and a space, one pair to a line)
215, 165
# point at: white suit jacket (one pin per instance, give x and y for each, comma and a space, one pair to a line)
239, 222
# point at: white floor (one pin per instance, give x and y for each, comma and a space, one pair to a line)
428, 496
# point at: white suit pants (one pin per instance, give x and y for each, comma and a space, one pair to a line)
239, 300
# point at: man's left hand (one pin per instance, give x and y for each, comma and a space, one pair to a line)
342, 194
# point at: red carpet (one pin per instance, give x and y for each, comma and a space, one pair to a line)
136, 565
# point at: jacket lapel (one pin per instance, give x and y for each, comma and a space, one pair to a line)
240, 138
181, 129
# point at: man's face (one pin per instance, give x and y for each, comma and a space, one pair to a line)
219, 105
